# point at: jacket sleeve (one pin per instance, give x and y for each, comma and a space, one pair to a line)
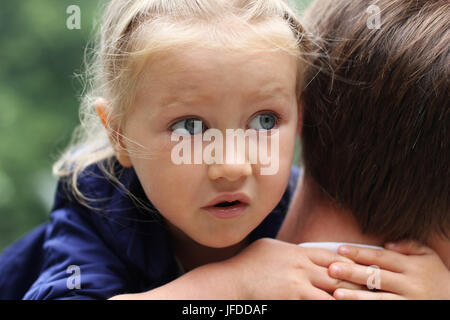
77, 264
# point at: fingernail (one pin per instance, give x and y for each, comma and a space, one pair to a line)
335, 269
339, 294
344, 250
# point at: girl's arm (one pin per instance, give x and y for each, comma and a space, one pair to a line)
212, 281
267, 269
412, 271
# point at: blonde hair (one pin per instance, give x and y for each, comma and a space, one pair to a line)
134, 30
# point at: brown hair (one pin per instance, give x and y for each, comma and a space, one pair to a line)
376, 114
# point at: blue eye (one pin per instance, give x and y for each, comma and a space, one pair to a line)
264, 121
191, 126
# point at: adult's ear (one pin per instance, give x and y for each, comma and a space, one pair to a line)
102, 108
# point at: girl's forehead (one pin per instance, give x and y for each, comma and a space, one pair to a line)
181, 53
189, 71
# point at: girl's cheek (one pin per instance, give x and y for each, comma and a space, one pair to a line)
159, 143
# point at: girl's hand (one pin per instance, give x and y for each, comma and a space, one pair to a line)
273, 269
266, 269
408, 270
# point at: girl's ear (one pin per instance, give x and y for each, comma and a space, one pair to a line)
114, 133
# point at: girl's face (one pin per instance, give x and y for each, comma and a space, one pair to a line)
222, 90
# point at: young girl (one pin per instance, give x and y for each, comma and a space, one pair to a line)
127, 218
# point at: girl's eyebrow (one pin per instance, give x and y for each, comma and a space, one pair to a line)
175, 103
192, 97
270, 93
257, 95
183, 100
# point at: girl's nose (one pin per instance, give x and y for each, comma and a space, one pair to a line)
229, 171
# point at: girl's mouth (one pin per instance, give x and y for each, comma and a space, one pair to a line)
225, 204
228, 206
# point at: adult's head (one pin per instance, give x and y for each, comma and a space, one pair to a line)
376, 114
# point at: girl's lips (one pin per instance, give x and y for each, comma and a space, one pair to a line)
229, 197
228, 212
228, 205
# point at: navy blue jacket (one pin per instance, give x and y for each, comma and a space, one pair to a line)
118, 247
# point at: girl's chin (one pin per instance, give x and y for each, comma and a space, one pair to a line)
222, 242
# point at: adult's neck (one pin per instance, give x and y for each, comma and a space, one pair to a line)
314, 217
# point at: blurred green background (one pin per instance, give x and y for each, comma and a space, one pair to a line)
39, 97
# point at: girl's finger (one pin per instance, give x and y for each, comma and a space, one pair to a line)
320, 278
312, 293
371, 277
385, 259
408, 247
345, 294
323, 257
